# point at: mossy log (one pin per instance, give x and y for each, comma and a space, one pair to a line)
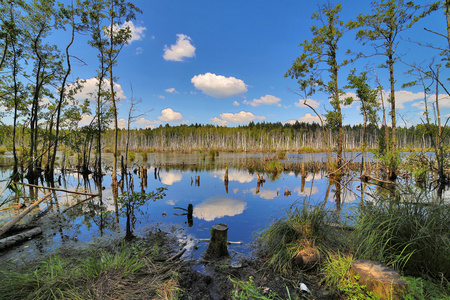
218, 247
18, 238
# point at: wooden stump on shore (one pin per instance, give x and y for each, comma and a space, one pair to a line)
218, 247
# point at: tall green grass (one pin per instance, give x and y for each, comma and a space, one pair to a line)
411, 235
302, 226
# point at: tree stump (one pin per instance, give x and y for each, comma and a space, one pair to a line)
218, 247
380, 279
190, 212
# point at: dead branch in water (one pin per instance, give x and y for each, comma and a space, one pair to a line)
55, 189
179, 254
19, 217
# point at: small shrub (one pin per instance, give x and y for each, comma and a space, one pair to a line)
273, 166
108, 150
3, 150
307, 149
281, 155
144, 156
131, 156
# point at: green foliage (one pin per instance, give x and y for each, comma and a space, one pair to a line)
411, 234
212, 154
273, 166
244, 290
337, 275
368, 97
144, 156
424, 288
137, 199
307, 149
131, 156
126, 261
301, 227
281, 155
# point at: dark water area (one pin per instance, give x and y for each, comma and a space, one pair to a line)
243, 204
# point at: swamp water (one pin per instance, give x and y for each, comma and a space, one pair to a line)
243, 204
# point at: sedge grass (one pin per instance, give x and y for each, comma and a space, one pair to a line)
412, 235
286, 237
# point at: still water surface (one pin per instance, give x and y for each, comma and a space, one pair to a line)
243, 205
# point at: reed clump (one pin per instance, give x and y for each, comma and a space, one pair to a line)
303, 226
411, 235
273, 166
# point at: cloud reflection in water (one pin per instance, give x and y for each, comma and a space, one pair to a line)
170, 178
218, 207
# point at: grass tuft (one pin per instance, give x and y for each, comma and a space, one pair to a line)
287, 236
411, 235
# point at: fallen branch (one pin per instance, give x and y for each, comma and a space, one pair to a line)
21, 237
207, 240
55, 189
19, 217
331, 173
178, 255
379, 180
78, 203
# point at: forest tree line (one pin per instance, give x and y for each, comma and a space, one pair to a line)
253, 137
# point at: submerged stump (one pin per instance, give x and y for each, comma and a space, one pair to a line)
218, 247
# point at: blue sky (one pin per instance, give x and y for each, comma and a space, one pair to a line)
223, 62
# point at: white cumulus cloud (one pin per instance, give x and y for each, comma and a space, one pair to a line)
219, 121
311, 102
122, 123
90, 89
85, 120
171, 90
307, 118
444, 102
143, 122
219, 86
240, 117
183, 48
169, 114
137, 32
402, 97
267, 99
